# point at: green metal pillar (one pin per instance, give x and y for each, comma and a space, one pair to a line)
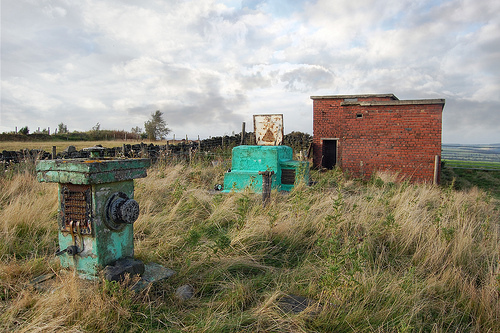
96, 209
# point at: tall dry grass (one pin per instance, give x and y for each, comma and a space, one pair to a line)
382, 256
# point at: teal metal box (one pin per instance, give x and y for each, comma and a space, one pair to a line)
96, 209
247, 161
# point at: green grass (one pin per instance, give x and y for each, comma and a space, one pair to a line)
378, 256
466, 179
483, 165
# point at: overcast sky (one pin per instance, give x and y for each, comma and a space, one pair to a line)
209, 65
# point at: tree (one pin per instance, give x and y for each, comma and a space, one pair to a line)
61, 128
137, 131
24, 131
156, 128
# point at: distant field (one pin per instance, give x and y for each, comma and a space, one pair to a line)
477, 153
481, 157
472, 165
61, 145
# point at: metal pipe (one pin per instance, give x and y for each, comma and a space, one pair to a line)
266, 186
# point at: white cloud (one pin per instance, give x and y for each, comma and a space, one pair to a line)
208, 65
54, 12
27, 95
91, 104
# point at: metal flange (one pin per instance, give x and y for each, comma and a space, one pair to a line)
120, 211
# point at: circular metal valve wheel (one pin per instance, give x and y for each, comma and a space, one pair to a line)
120, 211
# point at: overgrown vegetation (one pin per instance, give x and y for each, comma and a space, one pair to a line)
382, 256
464, 179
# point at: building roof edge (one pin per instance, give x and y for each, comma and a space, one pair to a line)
355, 96
398, 102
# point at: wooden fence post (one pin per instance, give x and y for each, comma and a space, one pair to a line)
436, 170
242, 133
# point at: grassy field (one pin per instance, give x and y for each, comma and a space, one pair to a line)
381, 256
465, 179
481, 165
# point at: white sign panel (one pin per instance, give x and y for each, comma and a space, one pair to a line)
268, 129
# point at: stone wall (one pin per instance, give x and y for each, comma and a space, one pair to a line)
182, 150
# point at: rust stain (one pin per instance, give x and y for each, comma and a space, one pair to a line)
268, 129
269, 136
76, 207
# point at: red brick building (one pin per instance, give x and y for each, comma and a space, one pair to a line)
364, 133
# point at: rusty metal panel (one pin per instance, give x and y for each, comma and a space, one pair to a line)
76, 209
268, 129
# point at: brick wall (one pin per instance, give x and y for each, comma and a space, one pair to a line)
379, 132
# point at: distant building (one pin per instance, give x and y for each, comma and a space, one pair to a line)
364, 133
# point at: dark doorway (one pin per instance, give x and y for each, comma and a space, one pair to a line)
329, 154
